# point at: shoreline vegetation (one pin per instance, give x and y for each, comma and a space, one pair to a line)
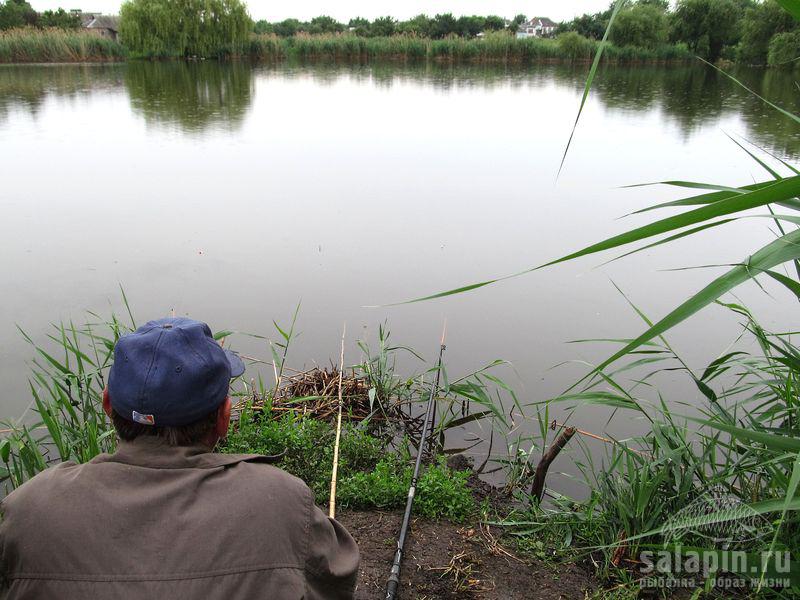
30, 45
747, 32
634, 486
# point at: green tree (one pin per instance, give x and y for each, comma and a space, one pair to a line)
324, 24
204, 28
287, 27
591, 26
443, 25
784, 49
384, 26
16, 13
470, 26
661, 4
494, 23
360, 26
760, 23
706, 26
263, 26
59, 18
642, 25
516, 22
421, 25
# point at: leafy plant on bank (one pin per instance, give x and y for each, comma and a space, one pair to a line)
371, 474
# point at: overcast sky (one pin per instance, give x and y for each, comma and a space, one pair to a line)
343, 10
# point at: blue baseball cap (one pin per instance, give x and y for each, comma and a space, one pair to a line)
170, 372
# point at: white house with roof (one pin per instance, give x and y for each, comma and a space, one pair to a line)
537, 27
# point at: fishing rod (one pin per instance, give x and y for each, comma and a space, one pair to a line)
430, 411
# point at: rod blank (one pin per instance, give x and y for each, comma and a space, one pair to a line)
394, 575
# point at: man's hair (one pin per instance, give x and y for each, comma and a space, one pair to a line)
186, 435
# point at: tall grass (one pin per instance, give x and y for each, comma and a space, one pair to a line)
56, 45
496, 47
67, 390
65, 420
739, 445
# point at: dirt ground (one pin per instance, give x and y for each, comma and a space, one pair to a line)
443, 560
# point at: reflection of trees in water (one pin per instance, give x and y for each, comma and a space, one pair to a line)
26, 87
767, 126
442, 76
690, 96
192, 96
693, 96
196, 96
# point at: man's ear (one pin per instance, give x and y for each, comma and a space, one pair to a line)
106, 402
223, 418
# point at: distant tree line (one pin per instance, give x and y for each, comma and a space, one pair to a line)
19, 13
436, 27
748, 31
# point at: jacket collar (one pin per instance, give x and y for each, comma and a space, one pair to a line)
154, 452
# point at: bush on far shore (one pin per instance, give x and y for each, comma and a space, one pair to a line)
784, 49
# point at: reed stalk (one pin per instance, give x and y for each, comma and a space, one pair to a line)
334, 474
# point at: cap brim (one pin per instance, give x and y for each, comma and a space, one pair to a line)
237, 365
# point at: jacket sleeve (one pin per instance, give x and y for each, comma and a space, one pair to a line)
332, 559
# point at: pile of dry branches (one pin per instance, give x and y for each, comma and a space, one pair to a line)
314, 393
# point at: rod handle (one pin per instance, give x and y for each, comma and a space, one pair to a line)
394, 576
391, 589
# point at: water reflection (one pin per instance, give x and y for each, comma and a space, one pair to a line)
26, 87
692, 96
191, 96
196, 97
688, 96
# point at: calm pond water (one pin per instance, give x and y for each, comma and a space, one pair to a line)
231, 192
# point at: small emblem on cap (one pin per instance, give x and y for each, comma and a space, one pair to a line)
144, 419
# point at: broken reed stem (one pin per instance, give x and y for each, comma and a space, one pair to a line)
555, 424
332, 506
537, 489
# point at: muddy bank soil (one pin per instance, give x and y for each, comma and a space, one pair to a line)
443, 560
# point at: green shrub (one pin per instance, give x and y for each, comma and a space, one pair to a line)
441, 492
574, 46
784, 49
307, 448
369, 477
380, 488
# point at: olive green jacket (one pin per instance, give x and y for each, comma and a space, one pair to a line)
154, 521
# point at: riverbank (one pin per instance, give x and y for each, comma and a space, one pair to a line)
445, 560
472, 539
53, 45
